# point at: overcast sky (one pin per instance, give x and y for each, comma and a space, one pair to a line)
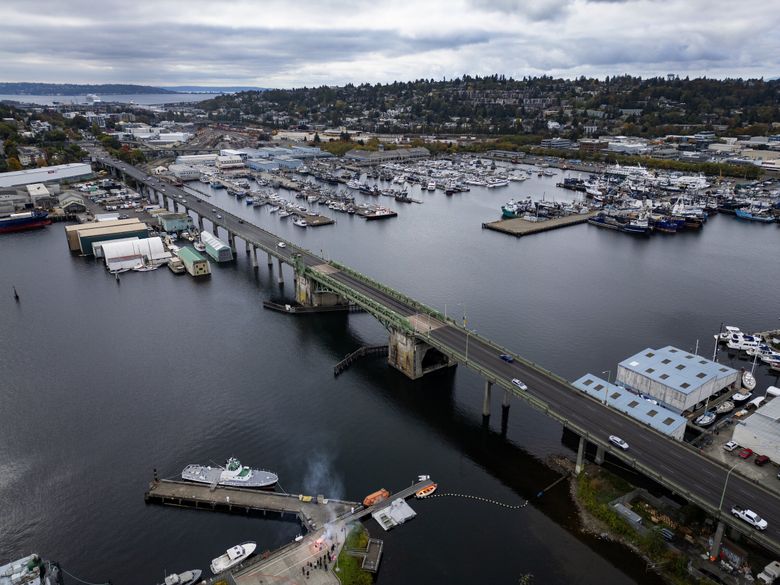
292, 43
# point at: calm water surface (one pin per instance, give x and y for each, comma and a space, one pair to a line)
104, 382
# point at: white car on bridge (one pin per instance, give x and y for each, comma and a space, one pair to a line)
617, 441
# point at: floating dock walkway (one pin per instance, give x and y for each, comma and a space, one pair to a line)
357, 354
295, 309
313, 512
519, 227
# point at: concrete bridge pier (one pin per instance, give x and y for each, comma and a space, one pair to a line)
716, 540
200, 222
580, 457
486, 399
247, 247
254, 257
270, 260
308, 294
280, 278
232, 242
599, 459
412, 356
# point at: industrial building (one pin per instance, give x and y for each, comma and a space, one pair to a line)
127, 254
175, 222
216, 248
45, 174
197, 159
195, 264
81, 237
185, 172
230, 162
653, 415
761, 430
368, 157
677, 379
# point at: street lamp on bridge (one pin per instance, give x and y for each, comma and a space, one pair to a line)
606, 388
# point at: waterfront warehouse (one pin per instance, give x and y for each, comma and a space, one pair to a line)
195, 264
72, 231
677, 379
654, 415
175, 222
216, 248
51, 174
116, 232
761, 431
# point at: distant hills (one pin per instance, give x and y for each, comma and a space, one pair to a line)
212, 89
27, 88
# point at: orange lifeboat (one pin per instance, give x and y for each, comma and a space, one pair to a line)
376, 497
426, 491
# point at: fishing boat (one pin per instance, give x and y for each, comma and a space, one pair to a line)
728, 331
748, 380
233, 556
426, 491
706, 419
724, 407
233, 474
185, 578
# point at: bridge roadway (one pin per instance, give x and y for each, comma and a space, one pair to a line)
675, 465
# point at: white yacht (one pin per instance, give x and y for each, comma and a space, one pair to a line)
233, 474
233, 556
185, 578
748, 380
431, 186
728, 331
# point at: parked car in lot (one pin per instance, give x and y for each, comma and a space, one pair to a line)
519, 384
615, 440
761, 460
506, 357
730, 446
746, 453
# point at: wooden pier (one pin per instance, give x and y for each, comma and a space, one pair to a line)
357, 354
519, 227
312, 511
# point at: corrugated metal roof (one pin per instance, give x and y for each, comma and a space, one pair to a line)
660, 418
770, 410
210, 239
675, 368
191, 255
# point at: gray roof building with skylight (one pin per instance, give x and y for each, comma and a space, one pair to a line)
677, 379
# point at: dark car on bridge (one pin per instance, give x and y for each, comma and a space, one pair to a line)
507, 358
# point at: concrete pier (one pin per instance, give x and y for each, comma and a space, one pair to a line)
313, 512
412, 356
280, 277
486, 398
580, 457
599, 459
270, 259
519, 227
254, 257
505, 400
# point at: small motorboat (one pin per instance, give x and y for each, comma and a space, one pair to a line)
740, 397
748, 380
426, 491
705, 420
199, 246
185, 578
725, 407
233, 556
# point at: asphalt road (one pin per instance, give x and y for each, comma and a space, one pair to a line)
677, 463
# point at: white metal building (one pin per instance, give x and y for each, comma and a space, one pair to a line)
230, 162
45, 174
676, 378
134, 253
215, 247
761, 430
196, 159
185, 172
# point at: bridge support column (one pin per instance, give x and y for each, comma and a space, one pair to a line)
599, 459
307, 294
716, 540
486, 398
280, 278
580, 455
413, 356
505, 400
270, 260
247, 247
254, 257
200, 222
232, 242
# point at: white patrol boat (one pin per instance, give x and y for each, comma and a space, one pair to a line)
233, 474
185, 578
232, 557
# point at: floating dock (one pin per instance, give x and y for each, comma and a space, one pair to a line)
295, 309
357, 354
313, 512
519, 227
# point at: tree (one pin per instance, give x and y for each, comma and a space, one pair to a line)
14, 164
316, 138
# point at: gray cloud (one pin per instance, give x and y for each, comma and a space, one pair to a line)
336, 41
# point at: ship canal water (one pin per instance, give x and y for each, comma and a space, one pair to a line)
102, 383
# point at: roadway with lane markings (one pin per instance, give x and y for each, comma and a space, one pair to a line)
674, 464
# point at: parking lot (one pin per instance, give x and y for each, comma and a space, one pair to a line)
765, 474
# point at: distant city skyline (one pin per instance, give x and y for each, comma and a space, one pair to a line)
333, 42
